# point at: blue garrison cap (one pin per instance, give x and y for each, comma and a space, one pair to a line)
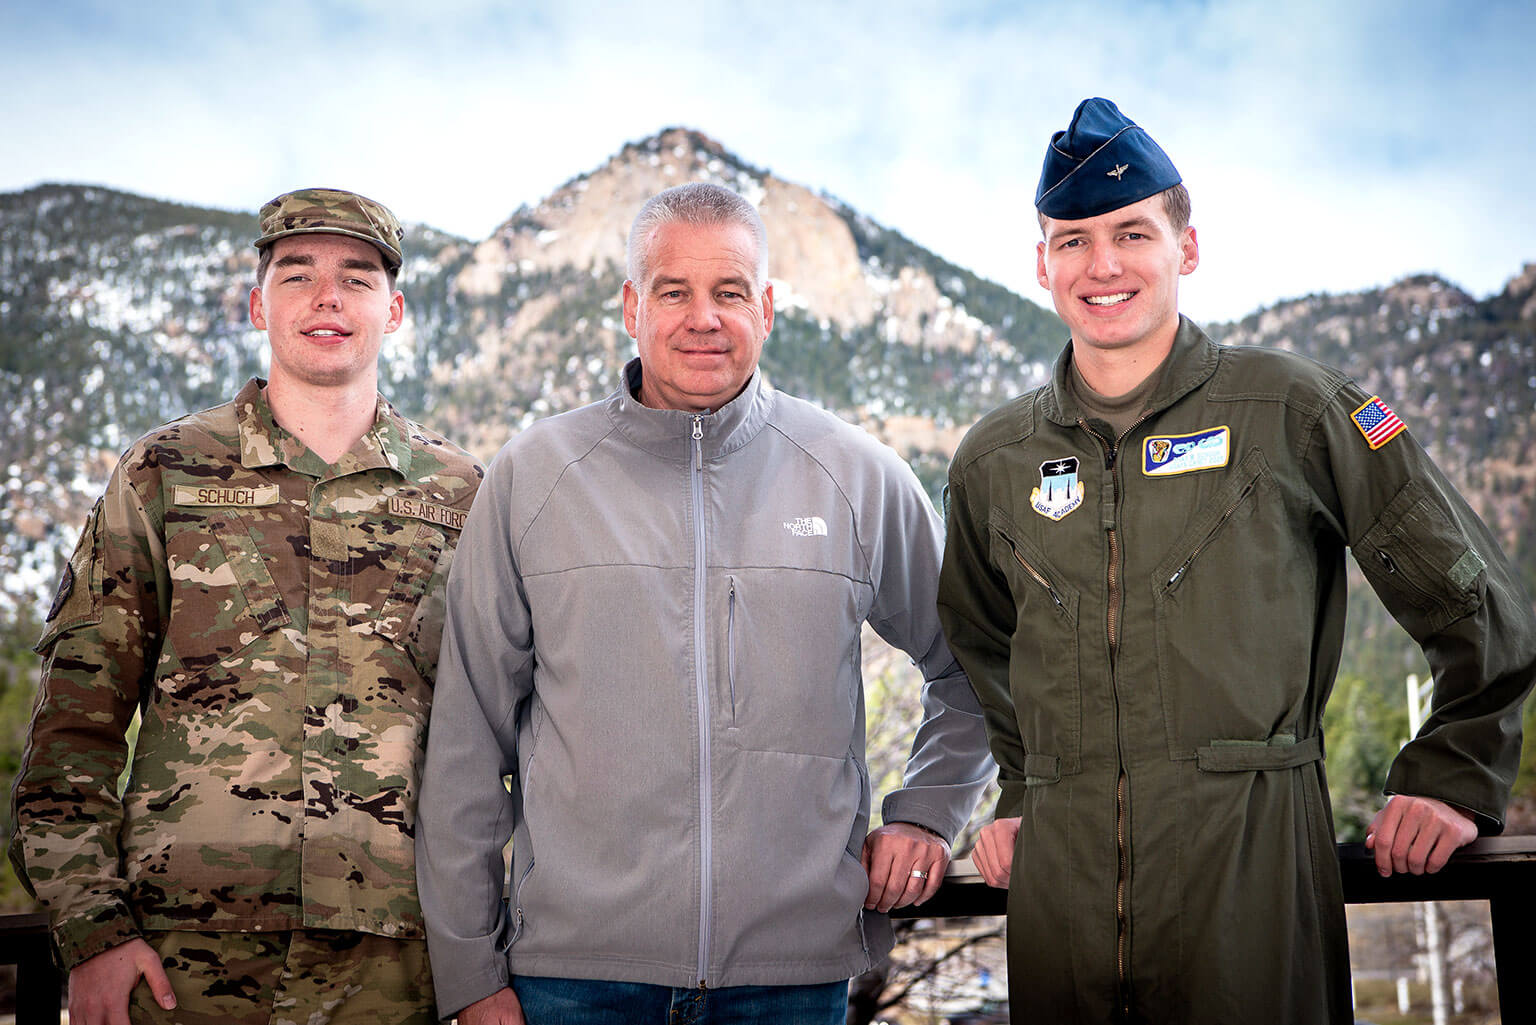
1103, 161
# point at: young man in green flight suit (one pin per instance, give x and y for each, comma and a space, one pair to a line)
1144, 580
263, 581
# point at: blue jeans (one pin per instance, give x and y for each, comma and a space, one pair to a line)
548, 1001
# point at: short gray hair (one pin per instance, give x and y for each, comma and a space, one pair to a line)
694, 203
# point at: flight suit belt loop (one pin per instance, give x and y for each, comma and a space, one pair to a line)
1257, 756
1040, 770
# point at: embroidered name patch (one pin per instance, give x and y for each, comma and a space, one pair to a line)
442, 515
1060, 491
1377, 422
216, 495
1170, 454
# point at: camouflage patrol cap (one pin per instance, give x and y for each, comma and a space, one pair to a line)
332, 212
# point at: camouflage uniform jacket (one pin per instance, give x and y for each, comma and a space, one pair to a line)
276, 621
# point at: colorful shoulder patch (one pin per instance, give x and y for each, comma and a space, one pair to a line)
1377, 422
1165, 455
1060, 491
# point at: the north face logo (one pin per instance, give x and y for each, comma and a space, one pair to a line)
806, 526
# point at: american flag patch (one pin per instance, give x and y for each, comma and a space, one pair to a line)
1377, 422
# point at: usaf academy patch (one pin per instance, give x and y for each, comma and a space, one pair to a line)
1060, 491
1170, 454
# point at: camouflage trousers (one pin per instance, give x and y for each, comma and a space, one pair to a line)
303, 977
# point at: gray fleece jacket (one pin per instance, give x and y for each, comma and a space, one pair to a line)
653, 630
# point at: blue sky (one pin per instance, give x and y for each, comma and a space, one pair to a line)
1328, 146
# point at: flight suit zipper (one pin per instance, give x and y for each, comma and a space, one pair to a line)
1122, 780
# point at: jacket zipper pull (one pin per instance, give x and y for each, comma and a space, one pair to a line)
698, 427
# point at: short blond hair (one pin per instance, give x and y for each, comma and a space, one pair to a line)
1175, 204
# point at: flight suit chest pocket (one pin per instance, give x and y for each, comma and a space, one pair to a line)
1043, 667
1231, 616
223, 596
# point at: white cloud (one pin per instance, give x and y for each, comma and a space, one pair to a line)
1327, 146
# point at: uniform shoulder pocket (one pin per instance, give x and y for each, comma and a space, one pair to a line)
78, 600
1418, 560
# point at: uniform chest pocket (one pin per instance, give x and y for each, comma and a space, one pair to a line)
223, 597
1043, 669
1234, 613
411, 614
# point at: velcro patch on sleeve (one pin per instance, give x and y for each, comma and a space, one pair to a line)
1377, 422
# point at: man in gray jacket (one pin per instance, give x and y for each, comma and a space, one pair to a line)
653, 630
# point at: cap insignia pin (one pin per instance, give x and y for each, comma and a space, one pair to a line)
1119, 171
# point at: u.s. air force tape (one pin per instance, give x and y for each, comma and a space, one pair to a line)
416, 509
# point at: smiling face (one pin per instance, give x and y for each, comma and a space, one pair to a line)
700, 319
326, 305
1115, 278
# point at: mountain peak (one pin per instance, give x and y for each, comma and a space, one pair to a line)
680, 142
814, 259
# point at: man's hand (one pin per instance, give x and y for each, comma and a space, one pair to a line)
1417, 834
500, 1008
99, 986
893, 857
993, 854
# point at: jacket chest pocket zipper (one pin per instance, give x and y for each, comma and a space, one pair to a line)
730, 645
1177, 578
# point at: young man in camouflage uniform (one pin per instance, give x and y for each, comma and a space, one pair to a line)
263, 582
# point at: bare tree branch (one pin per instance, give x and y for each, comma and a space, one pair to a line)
932, 966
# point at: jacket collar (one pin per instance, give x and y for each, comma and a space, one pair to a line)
1190, 363
669, 432
263, 442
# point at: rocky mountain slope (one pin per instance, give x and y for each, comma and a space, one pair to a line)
118, 312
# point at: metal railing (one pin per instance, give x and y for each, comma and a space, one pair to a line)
1500, 870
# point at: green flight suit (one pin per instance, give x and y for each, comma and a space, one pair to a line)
1176, 860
